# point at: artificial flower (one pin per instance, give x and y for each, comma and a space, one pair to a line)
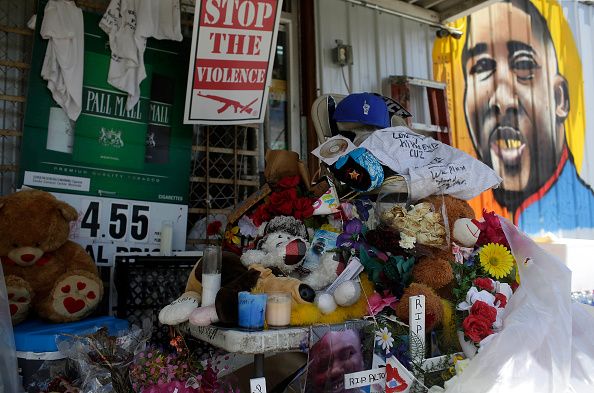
496, 260
491, 231
282, 202
500, 300
261, 215
214, 228
483, 310
476, 328
288, 182
231, 235
407, 242
363, 206
247, 227
350, 236
377, 303
504, 288
384, 338
484, 283
474, 295
303, 208
461, 253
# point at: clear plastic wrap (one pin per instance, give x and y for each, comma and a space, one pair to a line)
104, 361
9, 381
546, 344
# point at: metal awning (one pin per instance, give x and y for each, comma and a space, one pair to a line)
433, 12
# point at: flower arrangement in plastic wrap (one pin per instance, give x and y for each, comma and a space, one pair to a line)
486, 276
179, 371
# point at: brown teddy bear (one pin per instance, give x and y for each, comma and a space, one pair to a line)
44, 270
433, 274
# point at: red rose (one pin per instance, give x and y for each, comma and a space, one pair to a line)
502, 299
476, 328
484, 283
282, 202
303, 208
260, 215
483, 310
214, 228
288, 182
491, 231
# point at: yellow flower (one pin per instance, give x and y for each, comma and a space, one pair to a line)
231, 235
496, 260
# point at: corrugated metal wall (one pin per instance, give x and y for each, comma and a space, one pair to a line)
383, 45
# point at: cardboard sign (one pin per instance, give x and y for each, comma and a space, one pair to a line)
231, 62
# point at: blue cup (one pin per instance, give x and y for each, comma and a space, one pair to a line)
252, 309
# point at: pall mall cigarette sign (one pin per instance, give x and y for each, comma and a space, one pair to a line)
231, 63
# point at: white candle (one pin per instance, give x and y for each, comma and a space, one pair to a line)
211, 283
166, 238
278, 309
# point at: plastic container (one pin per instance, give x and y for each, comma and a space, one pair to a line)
35, 340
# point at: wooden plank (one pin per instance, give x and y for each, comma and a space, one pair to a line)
15, 30
10, 133
4, 97
8, 168
223, 150
216, 180
14, 64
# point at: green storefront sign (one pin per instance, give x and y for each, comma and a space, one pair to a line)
140, 154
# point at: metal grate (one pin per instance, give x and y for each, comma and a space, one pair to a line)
15, 56
224, 169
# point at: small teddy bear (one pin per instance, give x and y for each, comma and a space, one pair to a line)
45, 271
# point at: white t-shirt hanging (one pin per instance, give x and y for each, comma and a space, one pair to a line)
429, 166
64, 57
129, 23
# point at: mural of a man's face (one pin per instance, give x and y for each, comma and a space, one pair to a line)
515, 99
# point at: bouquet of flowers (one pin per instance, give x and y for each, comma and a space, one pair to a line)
486, 279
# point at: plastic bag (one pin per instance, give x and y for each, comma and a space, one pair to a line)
104, 360
546, 344
9, 381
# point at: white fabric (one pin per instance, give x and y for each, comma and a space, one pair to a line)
546, 344
429, 166
64, 58
129, 23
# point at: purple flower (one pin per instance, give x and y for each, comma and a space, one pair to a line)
363, 206
351, 235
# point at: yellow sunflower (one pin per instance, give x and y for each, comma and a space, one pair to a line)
231, 236
496, 260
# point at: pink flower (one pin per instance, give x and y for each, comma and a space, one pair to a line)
377, 303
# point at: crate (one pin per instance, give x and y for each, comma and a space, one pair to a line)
146, 284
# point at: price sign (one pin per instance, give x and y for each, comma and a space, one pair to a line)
258, 385
106, 225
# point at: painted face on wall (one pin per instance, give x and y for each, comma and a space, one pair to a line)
515, 100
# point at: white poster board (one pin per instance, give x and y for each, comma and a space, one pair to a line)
233, 47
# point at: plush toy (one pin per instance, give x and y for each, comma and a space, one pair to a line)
234, 278
44, 270
432, 274
284, 247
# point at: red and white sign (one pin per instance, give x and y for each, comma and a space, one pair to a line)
231, 63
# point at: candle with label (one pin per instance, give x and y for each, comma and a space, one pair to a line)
252, 308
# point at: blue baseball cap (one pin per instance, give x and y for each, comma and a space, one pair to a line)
365, 108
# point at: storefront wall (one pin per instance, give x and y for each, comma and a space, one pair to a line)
383, 45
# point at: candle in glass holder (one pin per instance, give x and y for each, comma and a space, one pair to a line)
252, 309
278, 309
211, 274
166, 238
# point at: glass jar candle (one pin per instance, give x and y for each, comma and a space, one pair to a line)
278, 309
211, 274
